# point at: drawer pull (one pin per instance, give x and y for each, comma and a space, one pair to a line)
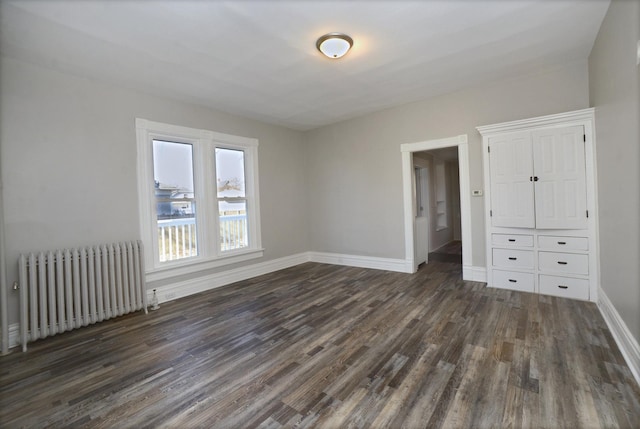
513, 258
562, 263
512, 240
513, 281
562, 242
563, 287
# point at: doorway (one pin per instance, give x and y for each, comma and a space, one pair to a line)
438, 206
409, 187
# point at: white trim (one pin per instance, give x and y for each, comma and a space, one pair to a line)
204, 143
558, 119
474, 274
376, 263
14, 335
621, 334
4, 284
212, 281
627, 344
190, 268
407, 150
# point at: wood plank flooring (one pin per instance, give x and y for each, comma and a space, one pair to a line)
450, 252
326, 346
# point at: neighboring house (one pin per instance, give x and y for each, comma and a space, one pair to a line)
172, 209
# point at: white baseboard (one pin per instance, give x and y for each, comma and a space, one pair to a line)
200, 284
376, 263
14, 335
627, 344
474, 274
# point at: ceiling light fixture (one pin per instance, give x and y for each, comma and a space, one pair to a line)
334, 45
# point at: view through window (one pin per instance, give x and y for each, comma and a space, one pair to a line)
175, 202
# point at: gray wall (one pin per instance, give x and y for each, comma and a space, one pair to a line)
614, 90
69, 157
69, 164
355, 169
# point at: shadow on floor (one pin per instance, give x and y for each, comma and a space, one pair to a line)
450, 252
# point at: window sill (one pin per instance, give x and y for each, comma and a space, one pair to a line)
201, 265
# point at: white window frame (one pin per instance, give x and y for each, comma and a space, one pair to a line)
204, 143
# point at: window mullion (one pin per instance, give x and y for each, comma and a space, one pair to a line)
201, 200
213, 237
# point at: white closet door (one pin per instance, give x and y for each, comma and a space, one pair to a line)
560, 189
511, 167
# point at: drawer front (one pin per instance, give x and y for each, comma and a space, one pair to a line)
513, 258
513, 280
565, 287
563, 243
567, 263
512, 240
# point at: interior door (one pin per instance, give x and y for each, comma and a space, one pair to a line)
422, 219
511, 166
560, 186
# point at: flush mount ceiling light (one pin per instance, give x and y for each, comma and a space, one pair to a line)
334, 45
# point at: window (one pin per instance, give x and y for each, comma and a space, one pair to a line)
232, 199
199, 205
174, 200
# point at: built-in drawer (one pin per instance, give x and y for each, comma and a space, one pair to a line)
566, 287
513, 280
513, 258
567, 263
563, 243
512, 240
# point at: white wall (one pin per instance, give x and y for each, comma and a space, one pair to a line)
69, 164
439, 237
355, 168
69, 161
614, 88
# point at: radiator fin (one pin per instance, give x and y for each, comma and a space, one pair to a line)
67, 289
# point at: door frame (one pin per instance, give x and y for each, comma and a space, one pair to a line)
408, 186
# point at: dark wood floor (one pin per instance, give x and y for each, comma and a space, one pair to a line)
325, 346
450, 252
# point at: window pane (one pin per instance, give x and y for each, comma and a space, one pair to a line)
233, 225
175, 203
230, 173
173, 167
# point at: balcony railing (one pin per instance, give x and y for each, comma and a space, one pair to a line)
233, 232
177, 238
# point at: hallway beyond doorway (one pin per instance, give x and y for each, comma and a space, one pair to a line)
450, 252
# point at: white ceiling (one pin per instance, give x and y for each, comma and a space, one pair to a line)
258, 58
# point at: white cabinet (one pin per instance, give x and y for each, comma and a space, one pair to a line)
511, 160
540, 204
538, 179
559, 178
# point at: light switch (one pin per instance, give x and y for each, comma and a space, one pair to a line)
476, 192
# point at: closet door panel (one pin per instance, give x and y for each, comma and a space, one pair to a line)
560, 188
511, 166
